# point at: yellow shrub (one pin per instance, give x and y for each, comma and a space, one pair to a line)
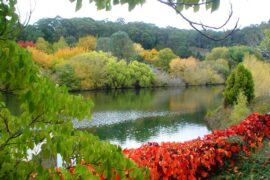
67, 53
149, 55
88, 43
261, 74
43, 59
178, 66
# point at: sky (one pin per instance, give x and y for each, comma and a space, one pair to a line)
247, 11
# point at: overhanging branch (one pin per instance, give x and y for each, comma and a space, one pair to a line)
205, 27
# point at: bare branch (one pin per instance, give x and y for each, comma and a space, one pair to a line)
188, 4
205, 27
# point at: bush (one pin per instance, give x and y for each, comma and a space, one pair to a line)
149, 55
261, 74
240, 109
88, 43
41, 58
43, 45
60, 44
66, 76
164, 58
141, 74
240, 79
195, 72
118, 75
67, 53
90, 69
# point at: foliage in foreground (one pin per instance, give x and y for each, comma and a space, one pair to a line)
201, 158
45, 123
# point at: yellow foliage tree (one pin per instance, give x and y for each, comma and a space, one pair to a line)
88, 43
178, 66
261, 74
43, 59
149, 55
67, 53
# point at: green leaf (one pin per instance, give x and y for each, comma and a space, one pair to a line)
78, 5
215, 5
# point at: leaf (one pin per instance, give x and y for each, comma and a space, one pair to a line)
215, 5
78, 5
196, 8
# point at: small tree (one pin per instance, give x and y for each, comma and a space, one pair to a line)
43, 45
240, 109
60, 44
240, 79
164, 58
89, 43
122, 46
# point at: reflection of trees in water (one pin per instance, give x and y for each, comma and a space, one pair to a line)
171, 99
145, 128
196, 98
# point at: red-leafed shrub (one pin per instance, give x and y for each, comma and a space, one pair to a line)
200, 158
26, 44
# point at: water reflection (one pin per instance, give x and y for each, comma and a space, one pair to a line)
130, 118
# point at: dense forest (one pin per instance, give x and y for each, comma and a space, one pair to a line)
184, 43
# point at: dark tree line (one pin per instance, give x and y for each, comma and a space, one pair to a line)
148, 35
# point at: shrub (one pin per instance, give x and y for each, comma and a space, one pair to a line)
43, 45
26, 44
90, 69
217, 53
240, 109
41, 58
194, 72
60, 44
141, 74
240, 79
149, 55
201, 158
66, 76
261, 74
88, 43
164, 58
119, 75
67, 53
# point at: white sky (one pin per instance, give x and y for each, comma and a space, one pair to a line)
248, 11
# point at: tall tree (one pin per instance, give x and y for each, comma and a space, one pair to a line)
122, 46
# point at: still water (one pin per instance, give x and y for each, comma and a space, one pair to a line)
130, 118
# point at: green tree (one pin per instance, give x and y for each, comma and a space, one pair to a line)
118, 74
240, 110
122, 46
66, 75
141, 74
264, 46
164, 58
47, 111
104, 44
60, 44
43, 45
240, 79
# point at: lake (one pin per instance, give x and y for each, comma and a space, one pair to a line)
130, 118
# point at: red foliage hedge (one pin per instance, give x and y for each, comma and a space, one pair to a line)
25, 44
200, 158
